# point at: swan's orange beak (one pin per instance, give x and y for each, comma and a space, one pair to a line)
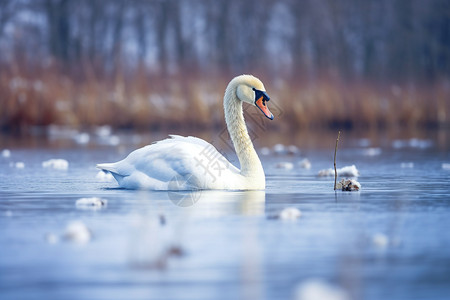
260, 101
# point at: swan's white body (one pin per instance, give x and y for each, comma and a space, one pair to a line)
187, 163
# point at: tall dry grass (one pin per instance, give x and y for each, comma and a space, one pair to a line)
140, 100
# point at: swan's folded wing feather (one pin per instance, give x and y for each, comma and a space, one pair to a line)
174, 158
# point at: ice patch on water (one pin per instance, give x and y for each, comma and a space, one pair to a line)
279, 149
60, 132
91, 202
399, 144
284, 165
18, 165
407, 165
349, 171
305, 164
51, 238
380, 240
292, 150
82, 138
103, 131
290, 213
6, 153
264, 151
104, 176
56, 163
412, 143
317, 289
372, 151
113, 140
420, 144
77, 232
110, 140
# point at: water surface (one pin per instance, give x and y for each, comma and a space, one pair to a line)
231, 245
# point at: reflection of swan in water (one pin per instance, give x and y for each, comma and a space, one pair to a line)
189, 163
151, 241
215, 203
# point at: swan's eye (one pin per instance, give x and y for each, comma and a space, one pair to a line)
259, 93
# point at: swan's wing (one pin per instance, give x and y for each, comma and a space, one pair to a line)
174, 163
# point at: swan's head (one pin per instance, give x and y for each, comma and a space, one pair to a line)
251, 90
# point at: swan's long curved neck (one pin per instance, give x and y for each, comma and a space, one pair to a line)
234, 117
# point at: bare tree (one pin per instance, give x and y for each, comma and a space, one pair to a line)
372, 39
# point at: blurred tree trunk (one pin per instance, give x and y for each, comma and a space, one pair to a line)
382, 40
222, 36
57, 13
116, 43
161, 32
140, 26
180, 43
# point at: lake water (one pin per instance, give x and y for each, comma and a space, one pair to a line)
388, 241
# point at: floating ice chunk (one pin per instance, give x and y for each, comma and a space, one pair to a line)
407, 165
82, 138
6, 153
279, 149
399, 144
412, 143
77, 232
91, 202
290, 213
284, 165
264, 151
103, 131
350, 171
317, 289
51, 238
55, 131
326, 172
110, 140
292, 150
19, 165
113, 140
380, 240
372, 151
57, 164
420, 144
104, 176
348, 185
446, 166
305, 164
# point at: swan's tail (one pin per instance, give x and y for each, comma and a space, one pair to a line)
111, 167
107, 167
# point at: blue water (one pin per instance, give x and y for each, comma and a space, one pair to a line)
231, 246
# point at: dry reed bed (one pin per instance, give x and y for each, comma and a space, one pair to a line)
143, 101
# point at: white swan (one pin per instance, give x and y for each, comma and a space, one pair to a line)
187, 163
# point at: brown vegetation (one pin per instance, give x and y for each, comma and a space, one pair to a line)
145, 101
141, 64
